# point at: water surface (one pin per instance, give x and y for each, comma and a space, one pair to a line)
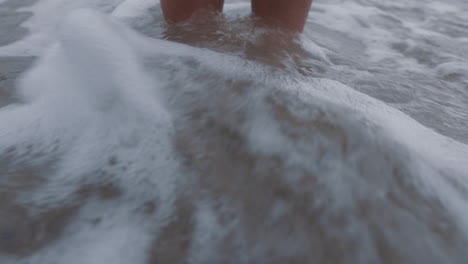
220, 140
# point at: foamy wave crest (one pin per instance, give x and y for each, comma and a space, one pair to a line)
298, 172
93, 135
127, 149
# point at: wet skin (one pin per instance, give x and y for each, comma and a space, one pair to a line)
284, 13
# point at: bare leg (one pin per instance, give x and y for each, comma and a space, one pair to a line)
291, 14
178, 10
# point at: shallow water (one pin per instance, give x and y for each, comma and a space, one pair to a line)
124, 140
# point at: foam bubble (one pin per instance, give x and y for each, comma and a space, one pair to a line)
42, 25
96, 102
268, 153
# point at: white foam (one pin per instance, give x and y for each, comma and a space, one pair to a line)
451, 68
443, 7
42, 25
90, 98
94, 103
438, 157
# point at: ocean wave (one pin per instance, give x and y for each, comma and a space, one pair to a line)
129, 149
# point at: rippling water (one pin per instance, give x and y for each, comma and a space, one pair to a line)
124, 140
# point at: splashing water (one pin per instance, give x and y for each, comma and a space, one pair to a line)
221, 141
